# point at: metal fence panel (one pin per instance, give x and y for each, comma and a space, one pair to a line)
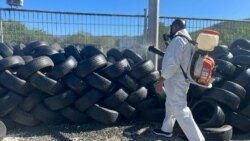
230, 30
106, 30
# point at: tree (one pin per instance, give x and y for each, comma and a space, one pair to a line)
16, 32
79, 38
229, 31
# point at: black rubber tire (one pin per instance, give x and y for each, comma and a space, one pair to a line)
219, 78
75, 116
73, 51
240, 43
151, 89
246, 100
153, 115
22, 117
128, 83
131, 62
208, 113
229, 99
115, 70
243, 78
223, 133
137, 96
43, 51
32, 100
11, 62
47, 116
63, 69
245, 111
161, 99
90, 51
9, 123
56, 46
88, 100
126, 111
12, 82
234, 88
33, 45
46, 84
132, 55
114, 99
219, 51
10, 45
3, 91
238, 121
191, 99
58, 58
227, 57
100, 83
111, 60
150, 78
76, 84
149, 104
18, 49
5, 50
92, 64
42, 63
102, 114
141, 69
60, 101
27, 59
238, 51
197, 91
115, 53
241, 60
9, 102
225, 67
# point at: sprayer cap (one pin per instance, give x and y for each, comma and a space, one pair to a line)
210, 31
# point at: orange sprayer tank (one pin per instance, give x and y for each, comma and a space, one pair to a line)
207, 70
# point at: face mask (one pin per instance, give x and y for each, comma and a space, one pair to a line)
170, 33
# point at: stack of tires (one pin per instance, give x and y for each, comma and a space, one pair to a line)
228, 102
47, 84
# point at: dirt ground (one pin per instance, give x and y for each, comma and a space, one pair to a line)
123, 131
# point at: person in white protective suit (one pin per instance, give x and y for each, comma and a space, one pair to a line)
175, 85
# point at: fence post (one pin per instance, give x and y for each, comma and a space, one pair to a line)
1, 26
153, 27
145, 36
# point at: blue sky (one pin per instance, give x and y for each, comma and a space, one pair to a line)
224, 9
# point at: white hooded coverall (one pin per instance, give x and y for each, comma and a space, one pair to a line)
176, 87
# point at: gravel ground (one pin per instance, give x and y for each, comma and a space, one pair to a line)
124, 131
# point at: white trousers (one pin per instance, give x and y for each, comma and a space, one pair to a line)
176, 109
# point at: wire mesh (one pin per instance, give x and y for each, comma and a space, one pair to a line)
103, 30
230, 30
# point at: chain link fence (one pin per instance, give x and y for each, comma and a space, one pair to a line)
104, 30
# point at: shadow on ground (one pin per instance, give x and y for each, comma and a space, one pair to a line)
124, 130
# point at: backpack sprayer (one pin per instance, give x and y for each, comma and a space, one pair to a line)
201, 66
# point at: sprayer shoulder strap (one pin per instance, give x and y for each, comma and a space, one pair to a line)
190, 41
184, 74
193, 43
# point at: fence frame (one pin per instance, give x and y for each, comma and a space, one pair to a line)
145, 17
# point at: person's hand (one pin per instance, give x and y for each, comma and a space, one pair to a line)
159, 86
